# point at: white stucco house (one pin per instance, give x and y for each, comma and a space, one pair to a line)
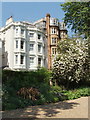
27, 46
24, 44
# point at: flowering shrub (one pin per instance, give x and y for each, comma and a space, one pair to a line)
71, 65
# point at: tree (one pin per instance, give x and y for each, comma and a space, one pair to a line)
71, 65
77, 15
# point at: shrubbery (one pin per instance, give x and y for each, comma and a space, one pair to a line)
15, 82
37, 84
77, 93
71, 67
25, 78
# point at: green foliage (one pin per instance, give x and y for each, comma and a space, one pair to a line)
77, 93
56, 89
48, 95
71, 67
43, 75
77, 15
13, 81
25, 78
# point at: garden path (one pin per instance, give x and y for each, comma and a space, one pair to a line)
77, 108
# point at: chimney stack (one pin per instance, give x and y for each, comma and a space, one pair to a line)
48, 39
9, 20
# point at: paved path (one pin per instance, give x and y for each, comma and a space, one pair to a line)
77, 108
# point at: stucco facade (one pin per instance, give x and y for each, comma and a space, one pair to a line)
27, 46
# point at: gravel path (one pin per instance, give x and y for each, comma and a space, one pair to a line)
77, 108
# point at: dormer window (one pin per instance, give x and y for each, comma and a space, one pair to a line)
54, 21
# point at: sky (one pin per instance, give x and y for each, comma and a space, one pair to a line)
31, 11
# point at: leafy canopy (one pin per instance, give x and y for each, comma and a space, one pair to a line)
77, 15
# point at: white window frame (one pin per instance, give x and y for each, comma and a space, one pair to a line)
31, 60
31, 35
16, 30
54, 40
16, 44
22, 44
21, 62
53, 30
31, 48
16, 59
39, 35
39, 48
23, 31
39, 61
54, 21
